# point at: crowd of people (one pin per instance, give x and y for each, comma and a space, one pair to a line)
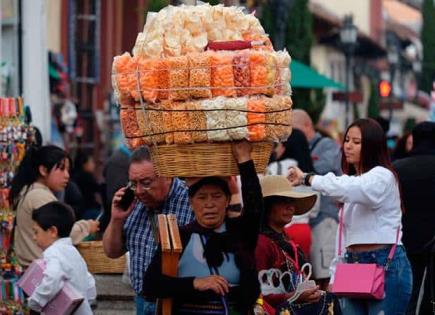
320, 204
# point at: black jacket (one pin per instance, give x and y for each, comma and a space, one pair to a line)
240, 238
417, 179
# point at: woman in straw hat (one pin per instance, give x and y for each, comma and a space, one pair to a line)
216, 272
280, 263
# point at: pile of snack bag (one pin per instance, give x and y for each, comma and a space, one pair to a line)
203, 74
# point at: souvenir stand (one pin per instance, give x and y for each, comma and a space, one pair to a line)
15, 135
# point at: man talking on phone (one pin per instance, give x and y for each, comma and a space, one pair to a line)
133, 225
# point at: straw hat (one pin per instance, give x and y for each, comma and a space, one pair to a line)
279, 186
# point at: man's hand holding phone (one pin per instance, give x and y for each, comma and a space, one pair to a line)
122, 203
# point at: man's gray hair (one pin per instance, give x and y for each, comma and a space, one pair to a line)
141, 154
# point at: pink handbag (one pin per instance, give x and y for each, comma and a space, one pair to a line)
363, 281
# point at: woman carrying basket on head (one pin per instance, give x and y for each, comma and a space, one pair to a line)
216, 271
371, 215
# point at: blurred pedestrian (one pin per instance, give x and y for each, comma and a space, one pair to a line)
292, 152
403, 147
115, 175
417, 180
42, 172
371, 213
326, 156
84, 176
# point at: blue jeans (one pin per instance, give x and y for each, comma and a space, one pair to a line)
143, 307
398, 284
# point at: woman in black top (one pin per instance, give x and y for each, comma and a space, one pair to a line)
216, 271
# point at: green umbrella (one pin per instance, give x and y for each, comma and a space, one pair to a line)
304, 76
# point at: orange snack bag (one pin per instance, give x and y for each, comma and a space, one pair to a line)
144, 126
222, 77
200, 75
155, 120
258, 68
120, 77
130, 127
272, 76
179, 78
256, 119
132, 76
135, 143
181, 123
162, 73
129, 123
242, 75
278, 117
148, 79
198, 121
167, 121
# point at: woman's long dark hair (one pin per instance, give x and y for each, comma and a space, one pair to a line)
27, 173
374, 150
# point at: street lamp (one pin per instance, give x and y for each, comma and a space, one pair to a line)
348, 39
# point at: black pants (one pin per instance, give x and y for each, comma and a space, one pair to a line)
419, 262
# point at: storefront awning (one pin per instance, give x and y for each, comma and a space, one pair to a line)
306, 77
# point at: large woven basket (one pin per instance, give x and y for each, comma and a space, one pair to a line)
204, 159
97, 261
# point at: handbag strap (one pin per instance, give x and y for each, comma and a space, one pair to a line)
340, 230
340, 237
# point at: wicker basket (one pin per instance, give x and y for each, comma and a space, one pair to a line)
96, 259
204, 159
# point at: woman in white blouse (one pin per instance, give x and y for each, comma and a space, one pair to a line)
372, 214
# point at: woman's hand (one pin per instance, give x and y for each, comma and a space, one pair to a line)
93, 226
217, 284
310, 296
295, 176
241, 150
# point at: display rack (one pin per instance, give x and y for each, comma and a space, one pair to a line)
15, 136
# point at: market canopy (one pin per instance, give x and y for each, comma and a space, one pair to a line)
306, 77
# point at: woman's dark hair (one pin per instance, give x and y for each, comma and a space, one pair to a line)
374, 150
400, 150
27, 173
296, 148
211, 180
56, 214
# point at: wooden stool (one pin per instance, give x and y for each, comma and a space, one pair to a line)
170, 242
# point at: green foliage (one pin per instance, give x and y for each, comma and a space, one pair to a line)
267, 20
299, 37
157, 5
373, 106
428, 41
213, 2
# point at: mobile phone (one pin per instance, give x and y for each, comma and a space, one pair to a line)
127, 199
